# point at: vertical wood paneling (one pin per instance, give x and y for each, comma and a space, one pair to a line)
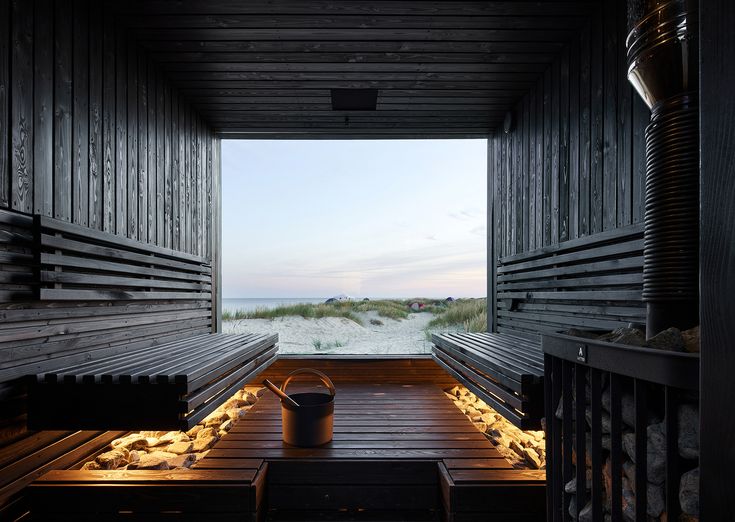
176, 170
564, 124
525, 172
152, 188
610, 117
596, 115
641, 118
21, 120
168, 166
62, 109
573, 164
142, 181
183, 166
574, 139
532, 139
539, 167
43, 110
585, 145
160, 135
547, 157
4, 103
80, 139
121, 134
555, 148
132, 133
109, 144
96, 149
625, 131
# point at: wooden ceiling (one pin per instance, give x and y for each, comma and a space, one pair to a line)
264, 68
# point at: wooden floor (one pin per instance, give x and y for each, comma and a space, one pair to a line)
400, 451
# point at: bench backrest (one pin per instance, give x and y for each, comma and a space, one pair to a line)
79, 263
591, 283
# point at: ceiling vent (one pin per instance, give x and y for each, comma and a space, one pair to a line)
354, 99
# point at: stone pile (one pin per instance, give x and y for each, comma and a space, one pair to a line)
688, 438
164, 450
523, 449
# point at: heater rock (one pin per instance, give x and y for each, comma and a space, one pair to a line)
533, 459
216, 419
586, 514
517, 448
604, 420
689, 431
91, 466
173, 436
625, 335
204, 443
691, 339
689, 492
669, 339
180, 447
656, 448
154, 434
149, 461
481, 426
207, 432
131, 442
181, 461
192, 433
112, 459
571, 486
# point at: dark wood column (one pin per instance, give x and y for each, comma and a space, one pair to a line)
717, 259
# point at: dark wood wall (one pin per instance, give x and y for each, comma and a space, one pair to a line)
573, 162
91, 132
717, 259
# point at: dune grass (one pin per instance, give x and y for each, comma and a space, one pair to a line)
390, 308
305, 310
468, 314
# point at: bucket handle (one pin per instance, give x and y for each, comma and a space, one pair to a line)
326, 380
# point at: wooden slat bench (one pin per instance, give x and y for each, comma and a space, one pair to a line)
170, 386
590, 283
190, 495
489, 489
503, 370
79, 263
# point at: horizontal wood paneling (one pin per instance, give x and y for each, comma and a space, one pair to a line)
86, 142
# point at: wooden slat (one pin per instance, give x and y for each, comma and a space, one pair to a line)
182, 382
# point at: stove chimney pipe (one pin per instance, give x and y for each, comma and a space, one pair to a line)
663, 68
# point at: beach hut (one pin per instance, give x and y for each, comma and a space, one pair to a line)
610, 212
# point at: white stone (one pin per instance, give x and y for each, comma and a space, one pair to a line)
180, 447
149, 461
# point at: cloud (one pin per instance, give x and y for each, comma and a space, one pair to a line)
480, 230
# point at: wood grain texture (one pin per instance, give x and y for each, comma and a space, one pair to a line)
717, 255
43, 190
583, 135
5, 78
21, 121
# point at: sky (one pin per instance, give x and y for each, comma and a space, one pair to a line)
394, 218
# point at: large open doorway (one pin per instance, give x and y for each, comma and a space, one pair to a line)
354, 246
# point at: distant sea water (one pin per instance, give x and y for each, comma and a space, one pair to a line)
250, 304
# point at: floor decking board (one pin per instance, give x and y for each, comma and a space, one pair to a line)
389, 441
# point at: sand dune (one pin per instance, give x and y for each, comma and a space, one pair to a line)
337, 335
